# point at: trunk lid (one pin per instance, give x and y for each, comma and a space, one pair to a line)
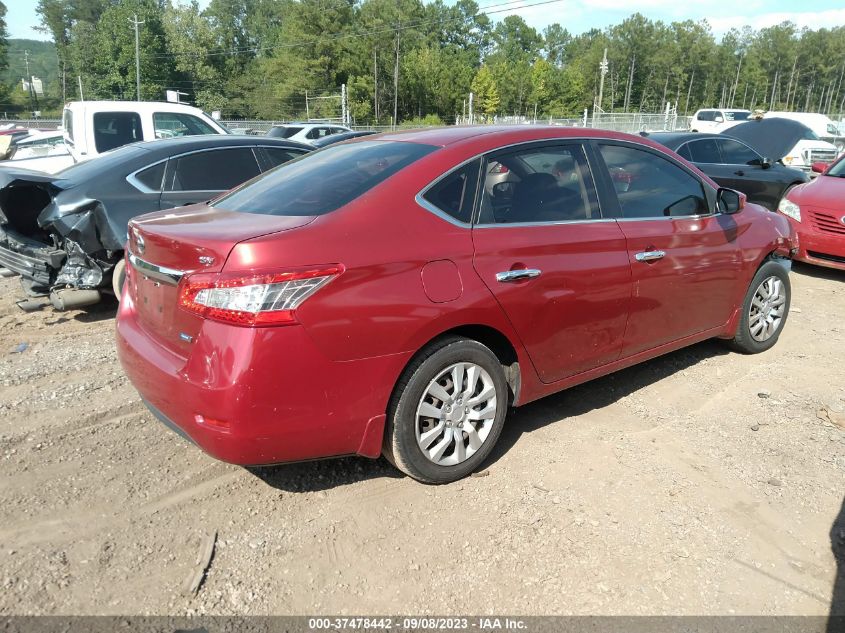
165, 246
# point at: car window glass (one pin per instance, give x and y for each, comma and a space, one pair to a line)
736, 116
277, 156
323, 181
215, 170
552, 184
114, 129
650, 186
705, 151
67, 124
706, 115
684, 152
455, 194
151, 177
283, 131
735, 153
172, 124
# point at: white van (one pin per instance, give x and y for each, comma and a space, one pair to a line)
822, 125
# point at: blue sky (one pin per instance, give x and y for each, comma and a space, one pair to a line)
581, 15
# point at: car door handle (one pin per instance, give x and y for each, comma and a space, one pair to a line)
516, 275
739, 173
650, 256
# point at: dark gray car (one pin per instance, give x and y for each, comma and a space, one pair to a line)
734, 164
64, 233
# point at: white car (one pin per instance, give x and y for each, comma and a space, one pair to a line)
714, 120
306, 132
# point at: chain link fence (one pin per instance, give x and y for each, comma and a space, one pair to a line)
618, 122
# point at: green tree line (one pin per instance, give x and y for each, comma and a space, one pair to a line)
259, 59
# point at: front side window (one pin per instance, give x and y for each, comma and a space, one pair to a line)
277, 156
172, 124
548, 184
115, 129
67, 124
736, 153
320, 182
454, 195
650, 186
706, 115
213, 170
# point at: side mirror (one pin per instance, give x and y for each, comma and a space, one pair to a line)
729, 201
767, 162
719, 118
819, 168
503, 190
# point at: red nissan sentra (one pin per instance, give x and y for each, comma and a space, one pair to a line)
395, 296
817, 212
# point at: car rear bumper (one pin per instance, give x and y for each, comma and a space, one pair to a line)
255, 396
820, 249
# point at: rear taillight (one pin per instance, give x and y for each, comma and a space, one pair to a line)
253, 300
498, 168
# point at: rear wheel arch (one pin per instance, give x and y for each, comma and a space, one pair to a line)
490, 337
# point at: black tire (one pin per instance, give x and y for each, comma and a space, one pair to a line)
401, 447
744, 341
118, 277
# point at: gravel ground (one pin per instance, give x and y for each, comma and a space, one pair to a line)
703, 482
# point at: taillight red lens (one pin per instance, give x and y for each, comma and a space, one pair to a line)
498, 168
253, 300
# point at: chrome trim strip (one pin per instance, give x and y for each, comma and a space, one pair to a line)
503, 225
161, 273
425, 204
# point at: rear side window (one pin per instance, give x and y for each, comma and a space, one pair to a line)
454, 195
650, 186
214, 170
535, 185
114, 129
704, 151
321, 182
151, 177
172, 124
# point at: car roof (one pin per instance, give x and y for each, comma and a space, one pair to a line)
673, 140
490, 136
204, 141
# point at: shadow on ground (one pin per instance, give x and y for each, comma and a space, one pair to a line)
596, 394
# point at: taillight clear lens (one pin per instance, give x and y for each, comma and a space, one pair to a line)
498, 168
264, 299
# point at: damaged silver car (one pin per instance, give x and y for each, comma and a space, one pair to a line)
64, 233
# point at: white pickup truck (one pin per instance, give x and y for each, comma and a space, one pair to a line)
91, 128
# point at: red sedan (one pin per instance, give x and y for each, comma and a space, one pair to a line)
382, 297
816, 211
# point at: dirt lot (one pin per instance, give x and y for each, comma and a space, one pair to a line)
702, 482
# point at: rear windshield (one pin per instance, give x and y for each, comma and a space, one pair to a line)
104, 164
323, 181
283, 132
736, 116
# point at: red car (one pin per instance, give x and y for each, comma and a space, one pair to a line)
816, 210
376, 297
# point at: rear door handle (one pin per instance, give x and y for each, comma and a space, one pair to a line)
516, 275
739, 173
650, 256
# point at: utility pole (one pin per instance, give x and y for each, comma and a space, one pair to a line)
28, 80
81, 97
396, 80
307, 112
375, 83
136, 24
471, 117
343, 108
603, 66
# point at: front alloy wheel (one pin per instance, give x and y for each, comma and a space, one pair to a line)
764, 309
